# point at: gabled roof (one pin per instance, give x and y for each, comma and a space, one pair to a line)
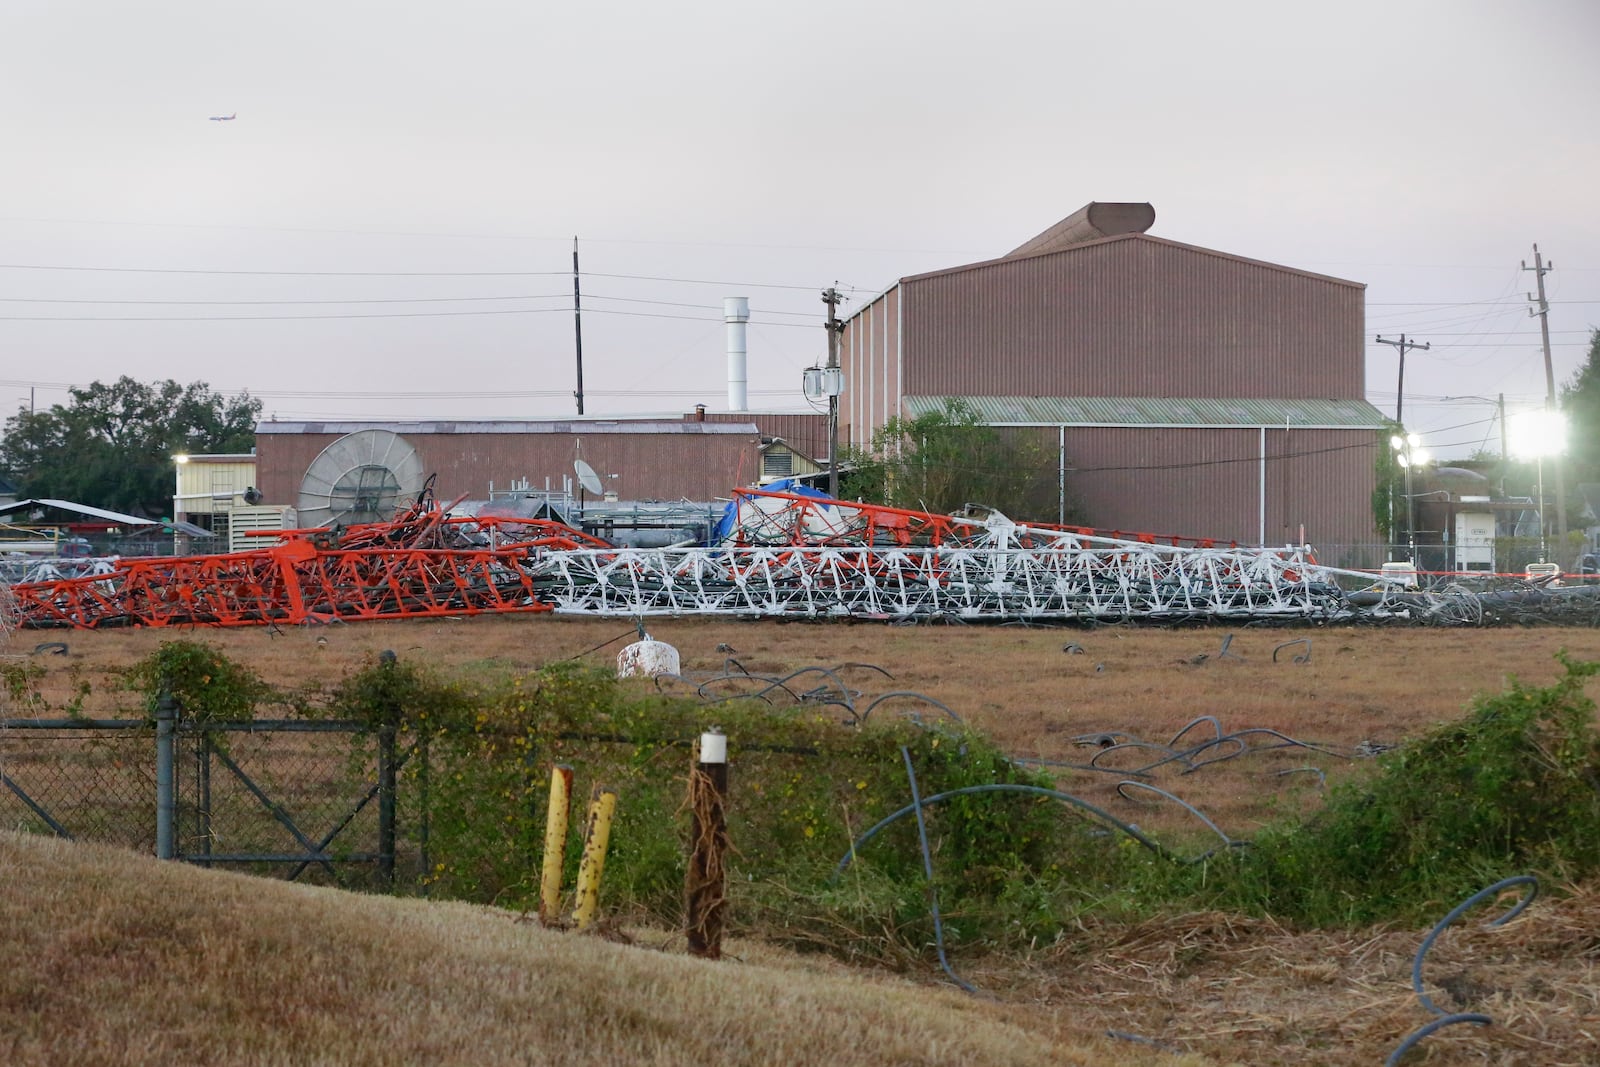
1160, 411
1082, 246
78, 509
1589, 493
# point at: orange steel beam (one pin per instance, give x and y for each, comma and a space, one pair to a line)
421, 565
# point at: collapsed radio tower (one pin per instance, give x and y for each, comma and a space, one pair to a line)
780, 556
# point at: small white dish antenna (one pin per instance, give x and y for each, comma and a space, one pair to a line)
588, 478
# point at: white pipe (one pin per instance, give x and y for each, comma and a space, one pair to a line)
1061, 473
1261, 534
735, 313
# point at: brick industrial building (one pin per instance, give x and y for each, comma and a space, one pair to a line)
636, 460
1183, 390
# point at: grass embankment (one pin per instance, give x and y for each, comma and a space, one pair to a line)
112, 958
1144, 946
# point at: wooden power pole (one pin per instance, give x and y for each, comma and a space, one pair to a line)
1400, 388
577, 323
831, 297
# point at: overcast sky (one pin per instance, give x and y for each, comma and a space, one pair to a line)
390, 216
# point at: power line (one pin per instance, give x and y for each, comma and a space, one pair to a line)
396, 274
1463, 303
369, 300
297, 273
370, 315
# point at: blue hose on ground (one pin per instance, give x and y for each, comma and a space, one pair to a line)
1460, 910
1438, 1024
1451, 1019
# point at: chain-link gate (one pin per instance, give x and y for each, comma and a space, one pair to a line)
301, 799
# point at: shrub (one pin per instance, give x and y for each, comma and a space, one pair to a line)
802, 786
1513, 786
206, 684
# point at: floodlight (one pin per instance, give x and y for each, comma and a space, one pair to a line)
1539, 433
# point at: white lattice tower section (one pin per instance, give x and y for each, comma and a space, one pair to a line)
1007, 572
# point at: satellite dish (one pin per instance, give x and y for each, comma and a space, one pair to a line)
366, 476
588, 478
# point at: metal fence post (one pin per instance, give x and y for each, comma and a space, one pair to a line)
388, 759
166, 790
388, 766
202, 810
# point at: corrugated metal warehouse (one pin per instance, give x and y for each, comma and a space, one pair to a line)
1186, 390
648, 460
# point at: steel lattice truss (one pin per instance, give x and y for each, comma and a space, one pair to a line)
1008, 572
785, 556
422, 565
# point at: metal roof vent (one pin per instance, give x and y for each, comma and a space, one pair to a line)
1089, 223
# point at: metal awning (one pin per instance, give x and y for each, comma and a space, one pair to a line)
78, 509
1160, 412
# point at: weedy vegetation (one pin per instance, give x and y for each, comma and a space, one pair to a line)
1510, 787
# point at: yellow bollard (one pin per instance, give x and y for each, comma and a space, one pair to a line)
596, 836
555, 843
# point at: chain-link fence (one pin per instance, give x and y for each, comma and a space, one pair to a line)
89, 779
297, 798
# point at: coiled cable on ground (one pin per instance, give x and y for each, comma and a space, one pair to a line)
1448, 1018
1001, 787
927, 868
909, 694
1122, 791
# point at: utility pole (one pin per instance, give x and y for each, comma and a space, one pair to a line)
1400, 389
577, 322
1540, 268
831, 297
1505, 452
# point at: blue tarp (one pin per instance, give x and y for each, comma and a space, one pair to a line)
729, 517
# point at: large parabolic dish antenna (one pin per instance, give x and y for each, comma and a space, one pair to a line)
366, 476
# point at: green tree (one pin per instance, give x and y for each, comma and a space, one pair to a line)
1580, 400
112, 445
943, 460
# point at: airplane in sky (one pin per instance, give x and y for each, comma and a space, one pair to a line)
224, 118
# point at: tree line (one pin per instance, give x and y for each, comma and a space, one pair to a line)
112, 446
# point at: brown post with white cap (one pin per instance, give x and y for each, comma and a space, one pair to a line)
705, 881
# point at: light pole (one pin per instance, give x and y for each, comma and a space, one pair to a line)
1409, 453
1535, 435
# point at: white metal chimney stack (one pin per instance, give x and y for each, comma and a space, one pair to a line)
736, 312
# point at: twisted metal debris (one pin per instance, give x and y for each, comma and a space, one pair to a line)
785, 556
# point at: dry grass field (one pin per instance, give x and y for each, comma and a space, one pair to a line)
1014, 683
1226, 988
114, 959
